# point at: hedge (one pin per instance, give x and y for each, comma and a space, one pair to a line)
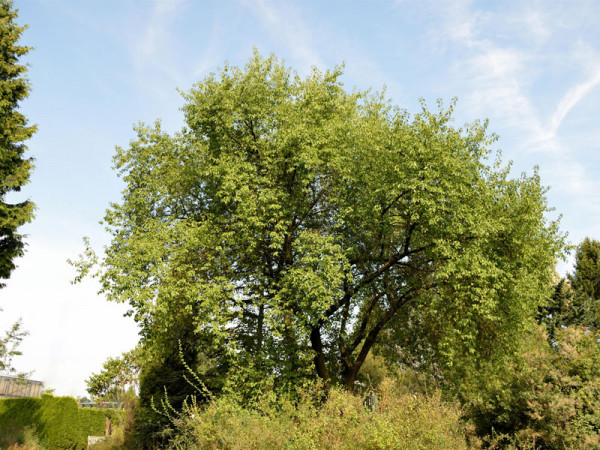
57, 421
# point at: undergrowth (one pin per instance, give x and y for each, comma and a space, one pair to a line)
395, 420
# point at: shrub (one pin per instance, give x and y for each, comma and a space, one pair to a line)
548, 398
57, 421
342, 421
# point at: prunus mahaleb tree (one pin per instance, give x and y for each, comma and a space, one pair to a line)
14, 130
293, 222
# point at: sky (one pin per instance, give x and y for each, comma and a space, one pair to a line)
99, 67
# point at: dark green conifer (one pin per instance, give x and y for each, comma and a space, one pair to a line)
586, 278
14, 130
576, 298
567, 307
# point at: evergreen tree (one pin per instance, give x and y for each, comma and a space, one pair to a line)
14, 130
567, 307
575, 301
585, 281
587, 269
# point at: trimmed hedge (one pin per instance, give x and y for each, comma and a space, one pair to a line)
58, 421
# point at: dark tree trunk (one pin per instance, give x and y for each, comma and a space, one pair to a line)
320, 364
259, 331
349, 376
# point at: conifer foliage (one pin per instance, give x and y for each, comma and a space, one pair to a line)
576, 298
14, 130
587, 269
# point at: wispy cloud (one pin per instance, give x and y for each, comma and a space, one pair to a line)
573, 96
588, 60
285, 25
534, 23
155, 39
158, 64
501, 57
319, 44
494, 75
499, 76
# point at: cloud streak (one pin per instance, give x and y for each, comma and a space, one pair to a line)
501, 58
284, 23
573, 96
154, 40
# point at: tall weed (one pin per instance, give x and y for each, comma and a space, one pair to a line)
396, 420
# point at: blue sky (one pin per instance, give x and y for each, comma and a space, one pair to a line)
98, 67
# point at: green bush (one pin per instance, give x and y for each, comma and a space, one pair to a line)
549, 396
58, 421
92, 421
343, 421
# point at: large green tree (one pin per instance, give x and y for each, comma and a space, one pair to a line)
293, 223
14, 130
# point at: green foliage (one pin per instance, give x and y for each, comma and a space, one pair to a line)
587, 268
567, 307
342, 421
57, 421
125, 437
14, 169
372, 373
165, 372
92, 422
546, 397
163, 377
576, 299
9, 348
291, 225
586, 278
118, 375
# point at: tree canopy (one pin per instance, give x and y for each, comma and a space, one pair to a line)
295, 225
118, 375
14, 130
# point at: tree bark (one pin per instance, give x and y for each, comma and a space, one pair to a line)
319, 360
349, 376
259, 331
